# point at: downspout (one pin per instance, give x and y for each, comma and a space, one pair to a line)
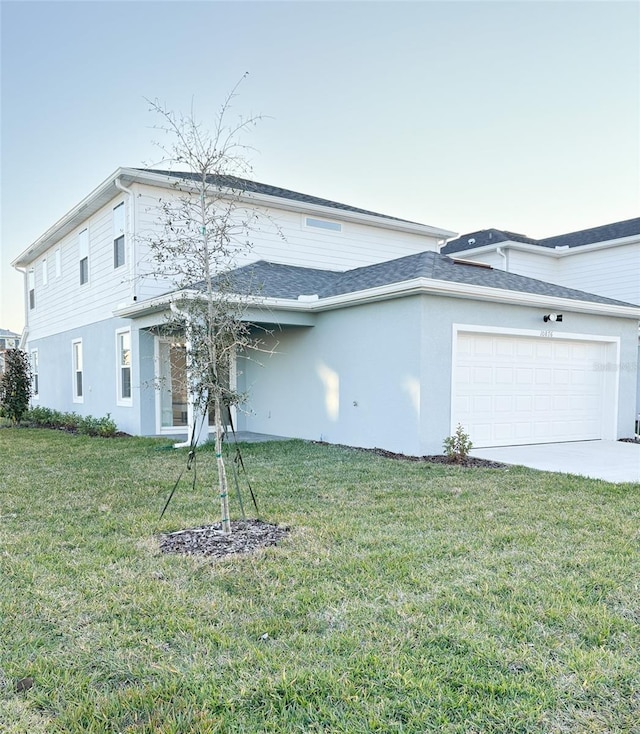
132, 247
503, 255
25, 304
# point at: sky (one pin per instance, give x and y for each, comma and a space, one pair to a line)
521, 115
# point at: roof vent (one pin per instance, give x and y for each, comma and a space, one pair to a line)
308, 299
471, 241
472, 263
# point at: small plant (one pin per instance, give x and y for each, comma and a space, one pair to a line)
15, 385
457, 447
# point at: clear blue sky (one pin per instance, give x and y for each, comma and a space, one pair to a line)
517, 115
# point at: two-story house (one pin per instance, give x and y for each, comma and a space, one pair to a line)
371, 336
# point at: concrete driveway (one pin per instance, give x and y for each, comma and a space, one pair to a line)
613, 461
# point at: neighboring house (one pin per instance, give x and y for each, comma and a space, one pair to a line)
603, 260
8, 340
370, 336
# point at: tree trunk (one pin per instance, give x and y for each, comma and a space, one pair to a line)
222, 475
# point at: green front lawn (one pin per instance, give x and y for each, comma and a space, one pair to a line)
407, 598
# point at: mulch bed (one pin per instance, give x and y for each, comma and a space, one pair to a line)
246, 536
629, 440
470, 462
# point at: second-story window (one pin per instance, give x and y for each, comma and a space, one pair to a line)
83, 250
118, 236
32, 289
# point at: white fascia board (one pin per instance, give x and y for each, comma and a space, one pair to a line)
328, 212
457, 290
416, 286
607, 244
82, 211
548, 251
276, 202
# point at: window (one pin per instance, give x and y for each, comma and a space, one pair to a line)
58, 263
83, 250
76, 347
34, 373
123, 352
32, 289
45, 274
323, 224
118, 236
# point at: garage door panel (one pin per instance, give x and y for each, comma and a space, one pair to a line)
513, 389
543, 376
504, 375
482, 375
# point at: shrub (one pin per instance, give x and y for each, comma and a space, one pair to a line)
457, 447
15, 385
85, 425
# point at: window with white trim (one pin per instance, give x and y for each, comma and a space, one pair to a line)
31, 276
58, 259
118, 236
35, 386
78, 389
45, 272
83, 251
123, 364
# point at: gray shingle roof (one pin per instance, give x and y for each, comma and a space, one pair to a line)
272, 280
254, 187
484, 237
606, 232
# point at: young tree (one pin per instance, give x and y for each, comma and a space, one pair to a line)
203, 227
15, 385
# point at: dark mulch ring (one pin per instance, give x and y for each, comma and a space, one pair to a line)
470, 462
246, 536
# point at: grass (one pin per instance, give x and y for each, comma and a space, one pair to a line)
408, 597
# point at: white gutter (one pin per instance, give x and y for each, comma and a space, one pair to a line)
415, 286
102, 194
132, 252
558, 251
330, 212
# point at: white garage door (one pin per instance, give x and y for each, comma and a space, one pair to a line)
510, 390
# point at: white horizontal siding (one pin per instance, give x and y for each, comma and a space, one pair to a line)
540, 267
613, 272
281, 236
63, 303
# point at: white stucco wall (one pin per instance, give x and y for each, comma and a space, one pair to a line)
379, 375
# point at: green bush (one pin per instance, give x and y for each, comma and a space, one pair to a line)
85, 425
457, 447
15, 385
